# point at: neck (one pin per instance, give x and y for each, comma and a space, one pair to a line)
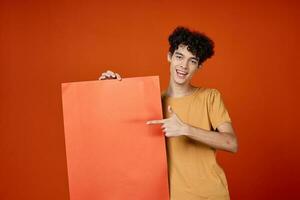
176, 90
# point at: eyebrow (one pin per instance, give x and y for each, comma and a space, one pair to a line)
195, 58
179, 53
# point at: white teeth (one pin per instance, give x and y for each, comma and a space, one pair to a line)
181, 72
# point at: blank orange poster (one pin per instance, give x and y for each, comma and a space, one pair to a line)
112, 154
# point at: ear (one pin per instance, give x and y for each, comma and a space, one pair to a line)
200, 66
169, 56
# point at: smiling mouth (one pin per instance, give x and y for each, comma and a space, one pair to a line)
181, 74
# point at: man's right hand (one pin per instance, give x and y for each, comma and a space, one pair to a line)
110, 75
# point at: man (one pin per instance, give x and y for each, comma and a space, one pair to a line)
196, 122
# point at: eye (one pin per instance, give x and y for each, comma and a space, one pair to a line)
178, 57
194, 62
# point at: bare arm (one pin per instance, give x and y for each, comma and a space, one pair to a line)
225, 139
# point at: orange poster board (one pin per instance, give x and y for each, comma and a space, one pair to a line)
112, 154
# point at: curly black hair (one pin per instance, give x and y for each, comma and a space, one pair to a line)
198, 43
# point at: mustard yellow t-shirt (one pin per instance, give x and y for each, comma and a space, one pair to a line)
194, 173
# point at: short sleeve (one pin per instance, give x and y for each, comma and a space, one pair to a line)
216, 109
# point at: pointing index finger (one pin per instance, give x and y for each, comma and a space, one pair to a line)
161, 121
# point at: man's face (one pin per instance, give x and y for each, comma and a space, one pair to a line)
183, 65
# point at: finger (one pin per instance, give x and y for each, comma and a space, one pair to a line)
112, 74
108, 75
118, 77
105, 74
172, 130
163, 127
166, 129
156, 121
102, 77
168, 135
168, 125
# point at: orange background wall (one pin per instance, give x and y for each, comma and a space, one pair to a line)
256, 67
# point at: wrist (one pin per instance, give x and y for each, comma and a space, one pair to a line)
189, 130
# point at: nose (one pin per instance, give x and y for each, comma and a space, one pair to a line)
184, 63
